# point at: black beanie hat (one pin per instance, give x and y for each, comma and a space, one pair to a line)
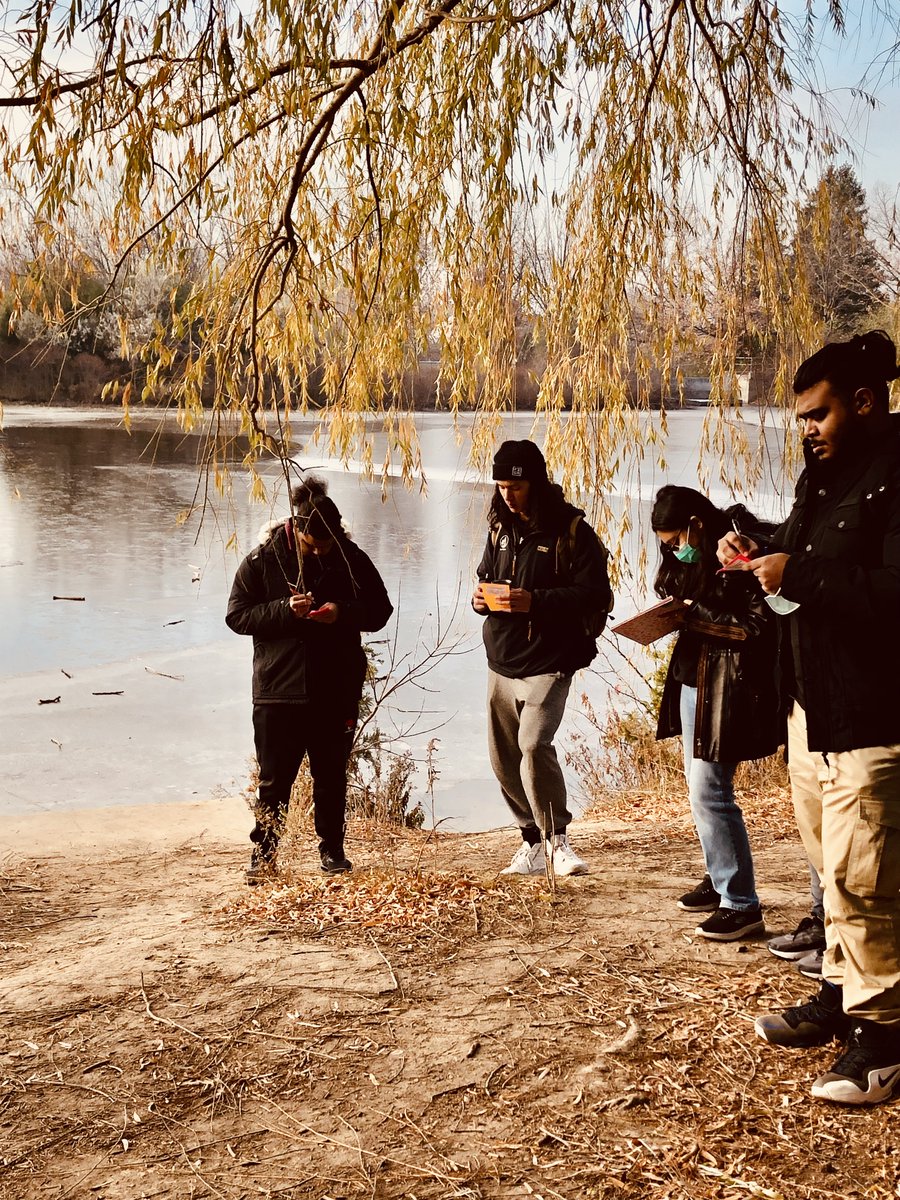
519, 460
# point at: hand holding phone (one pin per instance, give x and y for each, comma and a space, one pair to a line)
325, 614
300, 602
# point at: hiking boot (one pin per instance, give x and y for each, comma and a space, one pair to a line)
261, 869
815, 1023
808, 936
335, 862
810, 966
730, 924
702, 898
868, 1071
527, 860
563, 858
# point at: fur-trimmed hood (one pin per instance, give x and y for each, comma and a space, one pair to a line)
268, 529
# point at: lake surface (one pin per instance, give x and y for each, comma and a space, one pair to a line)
90, 510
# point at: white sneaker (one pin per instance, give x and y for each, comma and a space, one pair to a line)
527, 860
563, 858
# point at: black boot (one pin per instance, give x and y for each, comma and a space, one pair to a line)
334, 861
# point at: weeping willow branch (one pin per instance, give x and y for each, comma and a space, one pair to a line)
348, 185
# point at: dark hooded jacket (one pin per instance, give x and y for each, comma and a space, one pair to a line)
553, 636
843, 538
731, 636
298, 661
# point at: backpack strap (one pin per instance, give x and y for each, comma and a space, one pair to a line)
565, 548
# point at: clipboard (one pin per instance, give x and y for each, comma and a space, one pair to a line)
652, 623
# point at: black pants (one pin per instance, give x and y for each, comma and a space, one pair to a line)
284, 733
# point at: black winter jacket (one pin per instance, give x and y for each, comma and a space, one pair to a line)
552, 637
296, 660
843, 537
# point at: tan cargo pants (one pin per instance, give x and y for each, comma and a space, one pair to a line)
848, 811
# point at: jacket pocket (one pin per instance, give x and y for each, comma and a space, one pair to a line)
846, 533
873, 865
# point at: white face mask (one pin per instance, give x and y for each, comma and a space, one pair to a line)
780, 604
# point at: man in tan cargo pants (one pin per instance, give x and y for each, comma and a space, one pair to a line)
833, 575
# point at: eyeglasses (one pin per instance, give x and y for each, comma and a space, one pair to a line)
672, 543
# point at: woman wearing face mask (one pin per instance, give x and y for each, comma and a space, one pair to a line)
719, 694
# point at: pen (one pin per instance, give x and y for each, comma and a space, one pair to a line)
738, 558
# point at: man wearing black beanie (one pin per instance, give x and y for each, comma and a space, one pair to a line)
544, 591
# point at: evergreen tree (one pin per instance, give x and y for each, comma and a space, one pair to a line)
842, 267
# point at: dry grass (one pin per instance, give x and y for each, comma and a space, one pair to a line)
628, 775
380, 900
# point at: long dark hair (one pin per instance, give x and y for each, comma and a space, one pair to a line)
548, 508
868, 360
685, 508
315, 513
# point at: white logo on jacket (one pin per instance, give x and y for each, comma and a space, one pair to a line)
503, 544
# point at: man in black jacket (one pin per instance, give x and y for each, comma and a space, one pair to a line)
304, 595
540, 627
833, 572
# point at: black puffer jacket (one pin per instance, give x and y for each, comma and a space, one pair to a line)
843, 537
295, 661
552, 637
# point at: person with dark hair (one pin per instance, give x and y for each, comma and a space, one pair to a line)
303, 595
538, 631
832, 572
719, 694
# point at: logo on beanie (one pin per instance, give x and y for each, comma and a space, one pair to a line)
515, 472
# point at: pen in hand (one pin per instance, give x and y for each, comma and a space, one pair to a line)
738, 558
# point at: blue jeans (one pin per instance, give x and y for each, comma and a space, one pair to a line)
718, 820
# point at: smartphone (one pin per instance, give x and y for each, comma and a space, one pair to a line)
734, 565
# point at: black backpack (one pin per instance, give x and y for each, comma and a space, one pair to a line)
595, 620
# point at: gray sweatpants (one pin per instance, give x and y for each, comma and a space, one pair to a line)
523, 717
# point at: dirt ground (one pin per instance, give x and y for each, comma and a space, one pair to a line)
418, 1029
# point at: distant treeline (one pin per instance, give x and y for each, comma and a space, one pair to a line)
46, 372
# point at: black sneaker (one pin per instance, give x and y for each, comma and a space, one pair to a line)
808, 936
729, 924
703, 898
815, 1023
334, 862
868, 1071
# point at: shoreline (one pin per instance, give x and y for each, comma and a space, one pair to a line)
128, 829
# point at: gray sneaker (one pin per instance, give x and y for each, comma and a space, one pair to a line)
810, 965
808, 936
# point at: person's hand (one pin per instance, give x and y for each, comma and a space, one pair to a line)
301, 603
518, 601
326, 615
734, 544
478, 601
769, 571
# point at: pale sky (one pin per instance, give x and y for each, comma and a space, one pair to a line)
866, 58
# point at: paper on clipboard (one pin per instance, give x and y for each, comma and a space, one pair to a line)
653, 623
